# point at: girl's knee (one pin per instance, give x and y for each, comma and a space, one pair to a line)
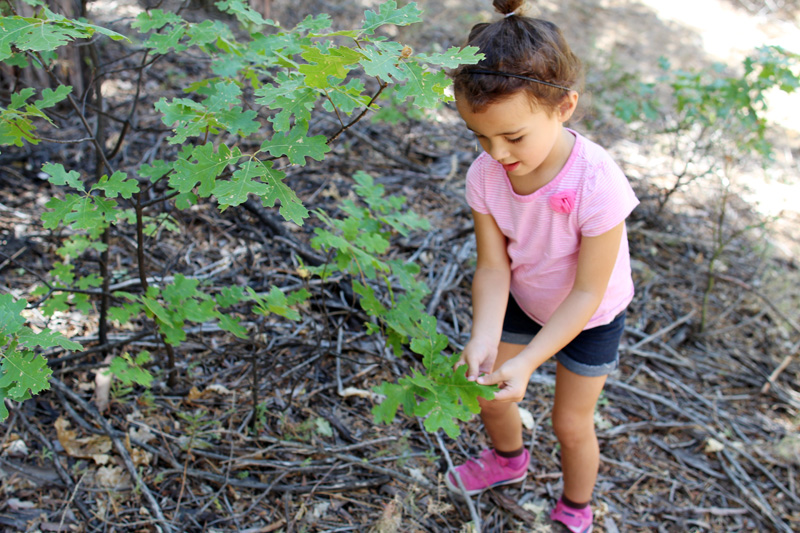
573, 429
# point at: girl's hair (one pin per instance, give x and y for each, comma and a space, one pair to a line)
518, 46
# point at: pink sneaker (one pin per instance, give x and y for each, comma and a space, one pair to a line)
576, 520
490, 470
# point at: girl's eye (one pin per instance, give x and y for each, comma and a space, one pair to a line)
515, 141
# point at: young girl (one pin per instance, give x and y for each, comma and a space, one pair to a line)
553, 274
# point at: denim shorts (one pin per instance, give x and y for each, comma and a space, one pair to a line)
594, 352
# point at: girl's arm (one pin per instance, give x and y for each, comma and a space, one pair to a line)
489, 296
596, 260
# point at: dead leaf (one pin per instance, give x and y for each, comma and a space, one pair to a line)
713, 446
194, 394
141, 457
112, 477
353, 391
95, 447
391, 519
17, 504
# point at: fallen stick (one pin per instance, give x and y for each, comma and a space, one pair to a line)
753, 495
788, 359
781, 367
476, 520
121, 450
663, 331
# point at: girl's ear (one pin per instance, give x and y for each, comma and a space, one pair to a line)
567, 106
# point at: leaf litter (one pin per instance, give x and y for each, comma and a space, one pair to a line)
691, 438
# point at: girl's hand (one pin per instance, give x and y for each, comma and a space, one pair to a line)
512, 377
479, 357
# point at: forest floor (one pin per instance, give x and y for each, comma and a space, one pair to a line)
699, 430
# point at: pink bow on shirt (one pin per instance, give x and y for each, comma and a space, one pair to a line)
563, 202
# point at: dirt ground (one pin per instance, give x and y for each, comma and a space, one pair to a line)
695, 435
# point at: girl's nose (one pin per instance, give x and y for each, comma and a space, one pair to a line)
498, 151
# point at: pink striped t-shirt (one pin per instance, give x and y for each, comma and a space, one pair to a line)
543, 240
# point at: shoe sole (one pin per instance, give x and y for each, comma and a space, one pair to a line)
567, 528
456, 489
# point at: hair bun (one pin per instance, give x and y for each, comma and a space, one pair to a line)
504, 7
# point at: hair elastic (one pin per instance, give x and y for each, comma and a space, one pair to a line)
510, 14
519, 76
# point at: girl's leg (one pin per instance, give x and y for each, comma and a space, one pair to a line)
501, 419
573, 423
507, 461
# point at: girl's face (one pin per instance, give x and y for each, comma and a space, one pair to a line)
529, 142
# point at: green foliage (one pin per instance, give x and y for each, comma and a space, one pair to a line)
440, 394
264, 85
23, 372
131, 370
716, 104
447, 395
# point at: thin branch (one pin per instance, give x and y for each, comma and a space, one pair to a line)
153, 505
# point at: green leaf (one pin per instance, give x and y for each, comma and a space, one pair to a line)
35, 34
157, 310
389, 14
59, 176
64, 272
10, 319
17, 60
292, 208
55, 303
229, 296
18, 99
206, 32
222, 95
155, 19
297, 145
243, 12
130, 371
382, 60
15, 130
23, 373
273, 302
88, 213
348, 97
454, 57
46, 339
88, 29
182, 288
117, 185
231, 325
75, 245
3, 409
156, 171
235, 191
428, 343
196, 310
396, 396
442, 415
179, 110
315, 23
297, 104
50, 97
205, 169
61, 208
239, 122
324, 65
164, 42
426, 89
123, 314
